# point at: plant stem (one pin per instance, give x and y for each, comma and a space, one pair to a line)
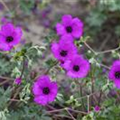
102, 52
92, 91
70, 114
2, 83
15, 95
23, 67
99, 100
6, 79
62, 109
88, 104
51, 67
4, 4
81, 92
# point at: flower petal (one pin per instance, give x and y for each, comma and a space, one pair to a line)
117, 83
8, 28
42, 100
60, 29
66, 20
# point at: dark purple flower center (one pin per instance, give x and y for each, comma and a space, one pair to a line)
69, 29
62, 62
63, 53
117, 74
46, 90
76, 68
9, 39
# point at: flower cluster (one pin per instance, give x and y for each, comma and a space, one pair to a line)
64, 48
9, 36
44, 90
66, 52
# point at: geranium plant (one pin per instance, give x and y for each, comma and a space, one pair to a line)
72, 83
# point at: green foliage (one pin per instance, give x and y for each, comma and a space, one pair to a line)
50, 63
5, 63
73, 102
26, 5
100, 13
5, 97
25, 93
77, 97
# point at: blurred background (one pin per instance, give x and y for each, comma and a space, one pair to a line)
38, 18
101, 18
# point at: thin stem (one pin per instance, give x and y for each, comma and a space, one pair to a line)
92, 90
56, 110
15, 100
70, 114
81, 92
99, 100
51, 67
6, 79
60, 110
4, 4
102, 52
108, 51
23, 67
15, 95
89, 48
102, 65
96, 53
86, 96
47, 71
62, 116
88, 103
2, 83
77, 111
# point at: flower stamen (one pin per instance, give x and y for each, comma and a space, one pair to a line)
63, 53
117, 74
69, 29
76, 68
46, 90
9, 39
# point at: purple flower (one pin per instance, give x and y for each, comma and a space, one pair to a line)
97, 108
114, 73
5, 20
77, 67
44, 90
64, 49
71, 26
18, 81
46, 23
9, 36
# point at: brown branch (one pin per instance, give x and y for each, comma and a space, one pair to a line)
6, 79
15, 95
3, 82
63, 109
70, 114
